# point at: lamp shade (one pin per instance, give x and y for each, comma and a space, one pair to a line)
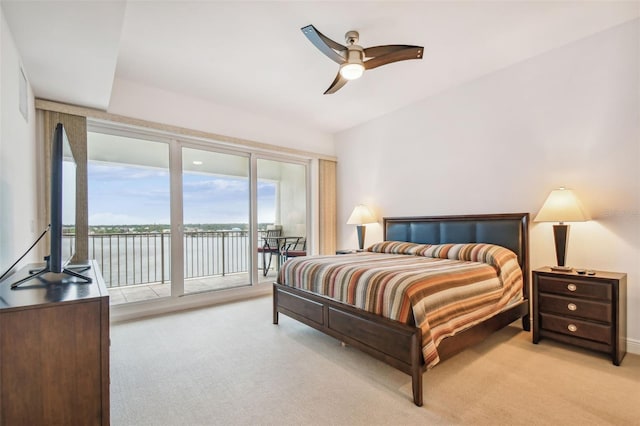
562, 205
360, 216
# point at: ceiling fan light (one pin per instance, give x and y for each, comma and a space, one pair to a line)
351, 71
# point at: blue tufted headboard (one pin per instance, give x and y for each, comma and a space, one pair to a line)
510, 230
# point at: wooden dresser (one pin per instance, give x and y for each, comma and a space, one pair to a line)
589, 311
54, 352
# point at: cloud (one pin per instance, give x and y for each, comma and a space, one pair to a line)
215, 185
110, 218
114, 172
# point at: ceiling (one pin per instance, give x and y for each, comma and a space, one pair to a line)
252, 55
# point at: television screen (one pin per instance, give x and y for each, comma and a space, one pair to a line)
61, 188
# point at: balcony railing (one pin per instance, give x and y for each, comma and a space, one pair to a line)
141, 258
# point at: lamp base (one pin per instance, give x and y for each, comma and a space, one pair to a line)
561, 268
361, 233
560, 234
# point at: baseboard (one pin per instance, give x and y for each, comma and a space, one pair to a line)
132, 311
633, 346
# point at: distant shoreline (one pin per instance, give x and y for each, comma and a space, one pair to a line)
164, 228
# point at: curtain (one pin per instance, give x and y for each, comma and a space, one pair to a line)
327, 206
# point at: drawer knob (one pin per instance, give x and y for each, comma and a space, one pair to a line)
572, 328
572, 287
572, 306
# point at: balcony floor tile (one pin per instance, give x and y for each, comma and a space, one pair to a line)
143, 292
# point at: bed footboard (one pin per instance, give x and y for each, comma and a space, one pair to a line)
392, 342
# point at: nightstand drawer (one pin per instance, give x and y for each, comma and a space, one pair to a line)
575, 287
575, 307
576, 327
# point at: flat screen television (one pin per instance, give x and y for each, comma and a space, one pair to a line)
63, 214
63, 195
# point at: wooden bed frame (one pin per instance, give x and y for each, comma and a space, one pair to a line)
398, 344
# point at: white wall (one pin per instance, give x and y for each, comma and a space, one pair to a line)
138, 101
18, 200
569, 117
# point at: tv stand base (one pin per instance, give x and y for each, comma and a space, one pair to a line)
71, 271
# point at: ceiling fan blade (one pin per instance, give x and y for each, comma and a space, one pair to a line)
403, 54
337, 84
324, 43
375, 51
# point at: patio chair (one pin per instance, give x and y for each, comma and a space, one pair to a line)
296, 248
270, 246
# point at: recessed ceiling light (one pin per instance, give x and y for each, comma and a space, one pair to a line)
197, 162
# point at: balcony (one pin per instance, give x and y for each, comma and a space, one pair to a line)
136, 266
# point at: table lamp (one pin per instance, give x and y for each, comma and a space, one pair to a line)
561, 206
360, 216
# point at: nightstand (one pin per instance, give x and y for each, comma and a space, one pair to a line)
589, 311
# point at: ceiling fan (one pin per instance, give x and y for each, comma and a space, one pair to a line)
353, 59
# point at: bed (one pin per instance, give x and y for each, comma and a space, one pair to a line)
398, 336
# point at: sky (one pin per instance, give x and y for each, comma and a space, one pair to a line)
135, 195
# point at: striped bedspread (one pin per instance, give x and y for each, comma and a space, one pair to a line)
443, 289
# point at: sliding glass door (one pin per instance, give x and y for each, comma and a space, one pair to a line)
216, 231
129, 215
170, 217
282, 213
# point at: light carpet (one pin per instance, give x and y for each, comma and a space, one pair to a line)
229, 365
